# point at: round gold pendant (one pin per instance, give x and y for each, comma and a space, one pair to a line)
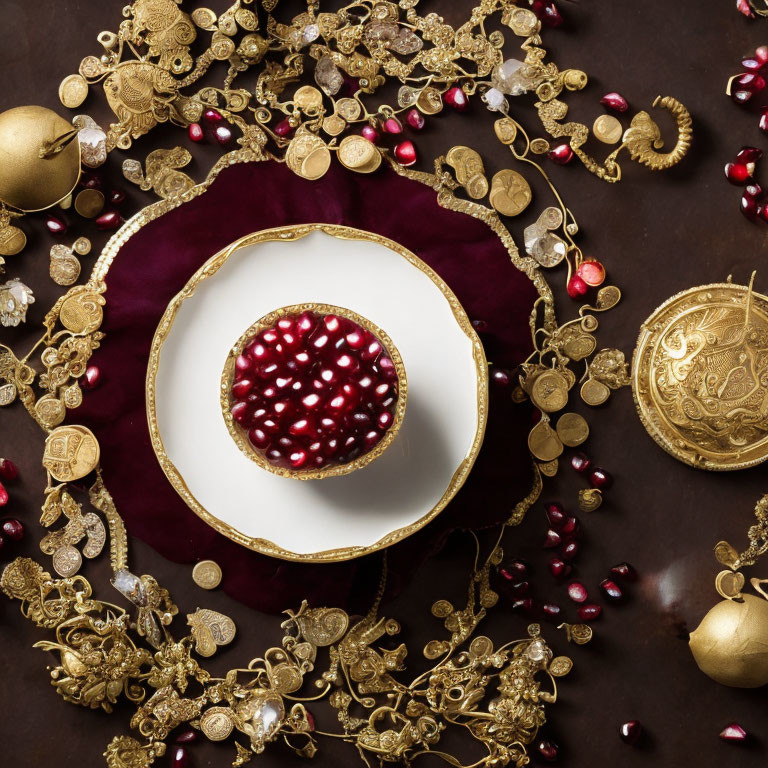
12, 240
700, 376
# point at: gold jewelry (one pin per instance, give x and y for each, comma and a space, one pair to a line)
207, 574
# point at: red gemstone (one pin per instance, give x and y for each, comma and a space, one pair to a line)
500, 378
631, 732
415, 119
370, 133
570, 550
748, 155
555, 514
3, 495
624, 571
547, 13
570, 525
283, 128
611, 589
753, 190
547, 750
186, 737
513, 570
733, 732
551, 611
116, 197
741, 96
615, 101
520, 589
405, 153
577, 288
577, 592
55, 225
90, 378
737, 173
562, 154
592, 272
180, 758
109, 221
580, 462
750, 207
310, 720
195, 131
13, 529
599, 478
8, 470
589, 612
223, 134
456, 98
89, 181
212, 116
527, 606
392, 125
559, 568
553, 539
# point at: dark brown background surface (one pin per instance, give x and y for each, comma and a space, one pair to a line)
658, 234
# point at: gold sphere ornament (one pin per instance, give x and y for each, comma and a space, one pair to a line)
40, 158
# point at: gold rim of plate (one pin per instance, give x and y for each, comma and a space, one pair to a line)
656, 424
240, 435
289, 233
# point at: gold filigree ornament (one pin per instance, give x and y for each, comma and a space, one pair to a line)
700, 376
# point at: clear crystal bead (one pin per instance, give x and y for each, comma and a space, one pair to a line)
311, 33
514, 77
130, 586
494, 98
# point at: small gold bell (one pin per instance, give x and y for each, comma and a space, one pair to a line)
40, 155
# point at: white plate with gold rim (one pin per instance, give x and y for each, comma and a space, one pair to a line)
335, 518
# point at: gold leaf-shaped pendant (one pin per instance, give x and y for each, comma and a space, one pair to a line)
210, 629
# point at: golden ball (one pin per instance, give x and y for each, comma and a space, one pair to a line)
39, 158
731, 643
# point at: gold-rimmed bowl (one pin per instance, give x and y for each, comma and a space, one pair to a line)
240, 434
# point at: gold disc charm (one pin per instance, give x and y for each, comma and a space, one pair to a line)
358, 154
70, 453
607, 129
594, 392
549, 391
510, 193
217, 723
307, 155
207, 574
699, 376
729, 584
82, 312
73, 91
66, 561
12, 240
544, 443
89, 203
572, 429
470, 173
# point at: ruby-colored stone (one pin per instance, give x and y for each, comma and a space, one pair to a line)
310, 719
500, 378
555, 514
551, 611
456, 98
180, 758
737, 173
547, 750
91, 378
576, 287
599, 478
580, 462
116, 197
733, 732
212, 116
12, 529
577, 592
752, 64
370, 133
547, 12
195, 132
520, 589
109, 221
570, 525
624, 571
553, 539
750, 207
392, 125
3, 495
631, 732
748, 155
559, 568
589, 612
223, 134
753, 190
592, 272
570, 550
8, 470
562, 154
615, 101
761, 53
283, 128
89, 181
751, 82
526, 605
514, 570
611, 589
415, 119
741, 96
186, 737
56, 226
762, 123
405, 153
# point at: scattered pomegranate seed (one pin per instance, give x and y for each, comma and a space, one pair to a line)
577, 287
91, 377
751, 82
12, 529
415, 119
520, 589
405, 153
526, 606
555, 514
750, 207
283, 128
186, 737
577, 592
571, 525
559, 568
570, 550
55, 225
562, 154
737, 173
580, 462
624, 571
553, 539
741, 97
392, 125
753, 190
8, 470
762, 123
749, 155
589, 612
733, 732
108, 221
500, 378
3, 495
745, 8
513, 570
551, 611
548, 750
223, 134
592, 272
456, 98
615, 101
599, 478
212, 116
611, 589
195, 131
761, 53
631, 732
370, 133
116, 197
89, 181
180, 758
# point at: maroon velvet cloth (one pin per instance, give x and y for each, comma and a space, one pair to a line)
156, 263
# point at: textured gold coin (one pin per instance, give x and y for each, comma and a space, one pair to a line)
469, 170
333, 125
544, 443
207, 574
308, 98
549, 468
12, 240
64, 268
560, 666
700, 376
580, 634
71, 452
549, 391
572, 429
539, 146
89, 203
204, 18
82, 312
82, 246
50, 410
349, 109
594, 392
505, 130
316, 163
66, 561
607, 129
729, 584
73, 91
358, 154
217, 723
510, 193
